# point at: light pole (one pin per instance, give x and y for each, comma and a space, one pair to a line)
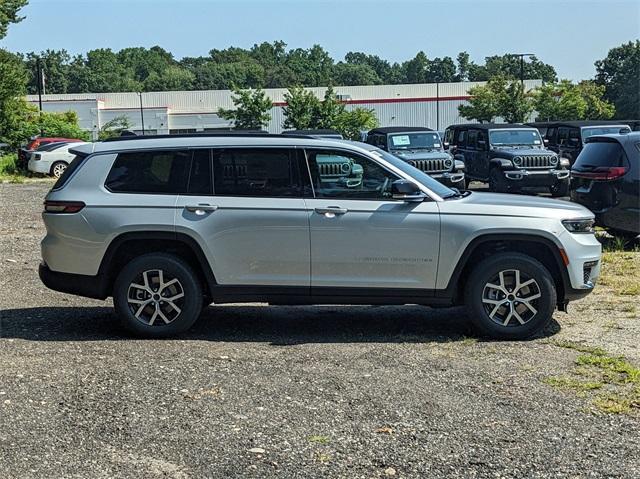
522, 55
141, 111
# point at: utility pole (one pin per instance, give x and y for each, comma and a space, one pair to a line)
141, 111
522, 55
39, 85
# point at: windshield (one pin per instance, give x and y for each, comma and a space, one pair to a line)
515, 137
603, 130
415, 141
421, 177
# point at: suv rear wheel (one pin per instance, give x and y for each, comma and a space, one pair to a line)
157, 295
510, 296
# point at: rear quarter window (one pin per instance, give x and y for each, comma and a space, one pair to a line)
154, 172
71, 169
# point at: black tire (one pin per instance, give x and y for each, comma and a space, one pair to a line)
173, 268
560, 188
477, 291
498, 183
58, 168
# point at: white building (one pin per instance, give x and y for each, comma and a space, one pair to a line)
430, 104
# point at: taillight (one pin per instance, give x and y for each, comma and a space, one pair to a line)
601, 173
63, 206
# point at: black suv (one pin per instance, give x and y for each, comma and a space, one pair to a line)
567, 138
420, 147
606, 179
508, 156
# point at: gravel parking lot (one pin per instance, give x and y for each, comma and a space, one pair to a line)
259, 391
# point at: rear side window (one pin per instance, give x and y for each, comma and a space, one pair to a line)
159, 172
200, 177
258, 172
73, 166
601, 153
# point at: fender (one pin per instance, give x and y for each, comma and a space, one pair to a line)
502, 163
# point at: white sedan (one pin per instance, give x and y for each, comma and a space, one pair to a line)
54, 161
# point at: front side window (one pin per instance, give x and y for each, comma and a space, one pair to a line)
159, 172
515, 137
462, 139
339, 174
258, 172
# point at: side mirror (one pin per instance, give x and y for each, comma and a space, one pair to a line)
406, 190
446, 145
545, 141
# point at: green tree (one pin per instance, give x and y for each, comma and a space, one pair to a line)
508, 66
498, 98
327, 113
9, 14
352, 74
13, 107
251, 109
55, 66
351, 123
619, 73
568, 101
382, 68
172, 78
300, 109
114, 127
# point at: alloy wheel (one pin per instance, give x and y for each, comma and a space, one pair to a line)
511, 298
155, 297
58, 169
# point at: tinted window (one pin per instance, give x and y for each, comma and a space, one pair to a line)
551, 135
261, 172
473, 138
601, 153
200, 176
70, 170
338, 174
164, 172
461, 140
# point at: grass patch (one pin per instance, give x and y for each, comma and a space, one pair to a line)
319, 439
620, 273
613, 382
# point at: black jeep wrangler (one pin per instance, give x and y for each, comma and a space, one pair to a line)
420, 147
509, 157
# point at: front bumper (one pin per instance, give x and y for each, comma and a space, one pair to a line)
448, 178
536, 177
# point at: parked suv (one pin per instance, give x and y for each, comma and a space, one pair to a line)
509, 157
567, 138
422, 148
168, 225
606, 179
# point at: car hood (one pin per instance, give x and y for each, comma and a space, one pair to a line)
512, 152
501, 204
421, 155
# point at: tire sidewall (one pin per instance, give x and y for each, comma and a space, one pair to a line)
175, 267
53, 167
490, 267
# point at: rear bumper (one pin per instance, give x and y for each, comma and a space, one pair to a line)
77, 284
536, 178
38, 166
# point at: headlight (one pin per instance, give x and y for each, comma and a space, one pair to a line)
579, 226
565, 162
517, 161
553, 160
448, 163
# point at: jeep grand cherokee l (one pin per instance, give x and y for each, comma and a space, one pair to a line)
168, 225
422, 148
509, 157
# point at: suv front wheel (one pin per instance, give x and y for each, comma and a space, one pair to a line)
157, 295
510, 296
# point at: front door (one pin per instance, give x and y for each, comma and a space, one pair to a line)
251, 220
360, 236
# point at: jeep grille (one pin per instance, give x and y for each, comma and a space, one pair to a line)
333, 169
536, 161
433, 166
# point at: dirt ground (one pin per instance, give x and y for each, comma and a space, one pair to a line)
353, 392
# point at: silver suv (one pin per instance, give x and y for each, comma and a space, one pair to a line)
168, 225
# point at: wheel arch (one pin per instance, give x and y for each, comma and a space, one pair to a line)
126, 246
538, 247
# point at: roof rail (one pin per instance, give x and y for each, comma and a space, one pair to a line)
248, 134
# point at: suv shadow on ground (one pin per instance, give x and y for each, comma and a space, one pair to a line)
277, 325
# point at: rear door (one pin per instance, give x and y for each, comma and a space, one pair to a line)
244, 206
361, 237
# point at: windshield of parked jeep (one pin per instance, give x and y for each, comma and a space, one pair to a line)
515, 137
421, 177
415, 141
603, 130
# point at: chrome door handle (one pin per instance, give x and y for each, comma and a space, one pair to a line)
331, 211
201, 209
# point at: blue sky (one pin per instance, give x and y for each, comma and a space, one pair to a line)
569, 34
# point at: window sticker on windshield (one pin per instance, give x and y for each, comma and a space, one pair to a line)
401, 140
436, 145
536, 142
